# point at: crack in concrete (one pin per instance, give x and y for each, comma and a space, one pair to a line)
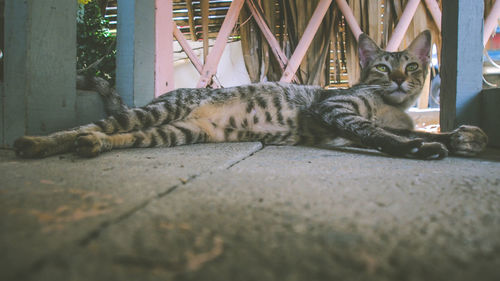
234, 163
94, 234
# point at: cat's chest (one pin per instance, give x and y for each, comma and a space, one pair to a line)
389, 116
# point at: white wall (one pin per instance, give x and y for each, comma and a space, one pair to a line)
231, 70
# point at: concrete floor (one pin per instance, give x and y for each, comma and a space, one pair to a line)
241, 211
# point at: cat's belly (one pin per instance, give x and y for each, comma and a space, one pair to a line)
235, 121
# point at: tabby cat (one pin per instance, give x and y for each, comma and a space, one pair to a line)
370, 114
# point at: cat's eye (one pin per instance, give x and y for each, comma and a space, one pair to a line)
412, 66
382, 67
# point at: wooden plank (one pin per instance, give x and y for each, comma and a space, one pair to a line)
39, 94
164, 52
212, 61
189, 4
461, 66
402, 26
204, 22
305, 41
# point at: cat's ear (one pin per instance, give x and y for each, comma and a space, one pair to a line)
421, 46
367, 50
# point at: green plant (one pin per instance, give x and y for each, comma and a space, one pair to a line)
96, 45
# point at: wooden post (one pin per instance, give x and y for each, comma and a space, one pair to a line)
135, 60
461, 63
305, 41
40, 61
164, 49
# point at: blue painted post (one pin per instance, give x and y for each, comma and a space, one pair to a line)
136, 51
40, 62
461, 63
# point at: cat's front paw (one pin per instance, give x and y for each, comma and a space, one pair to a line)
90, 144
467, 140
416, 148
32, 147
430, 151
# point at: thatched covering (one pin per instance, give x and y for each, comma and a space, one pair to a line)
288, 19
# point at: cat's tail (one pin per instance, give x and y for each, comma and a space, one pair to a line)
113, 103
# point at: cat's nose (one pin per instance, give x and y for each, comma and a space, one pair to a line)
399, 81
398, 77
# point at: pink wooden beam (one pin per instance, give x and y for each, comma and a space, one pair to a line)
187, 49
435, 11
305, 41
189, 52
491, 22
164, 57
349, 17
213, 58
404, 22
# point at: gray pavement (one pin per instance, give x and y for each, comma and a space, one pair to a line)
240, 211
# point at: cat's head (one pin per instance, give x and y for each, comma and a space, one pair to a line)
401, 74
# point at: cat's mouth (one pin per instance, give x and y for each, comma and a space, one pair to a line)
398, 95
398, 91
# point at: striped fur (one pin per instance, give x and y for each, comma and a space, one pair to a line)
370, 114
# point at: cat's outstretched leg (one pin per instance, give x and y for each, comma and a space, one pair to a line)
91, 144
358, 129
56, 143
63, 141
465, 140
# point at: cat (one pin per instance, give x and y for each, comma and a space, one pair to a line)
370, 113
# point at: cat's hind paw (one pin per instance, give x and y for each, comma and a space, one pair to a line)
32, 147
90, 144
467, 140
